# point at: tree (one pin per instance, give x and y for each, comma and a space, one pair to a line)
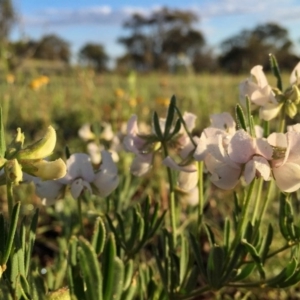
94, 55
161, 40
52, 47
7, 18
251, 47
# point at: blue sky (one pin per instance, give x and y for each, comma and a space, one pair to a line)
83, 21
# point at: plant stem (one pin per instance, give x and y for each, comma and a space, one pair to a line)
258, 198
200, 192
172, 207
79, 207
263, 209
10, 197
241, 224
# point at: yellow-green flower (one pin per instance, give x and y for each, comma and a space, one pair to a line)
31, 159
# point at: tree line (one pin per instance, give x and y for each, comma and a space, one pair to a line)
166, 40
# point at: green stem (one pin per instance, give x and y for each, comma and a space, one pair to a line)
172, 207
200, 192
10, 197
282, 120
258, 198
262, 211
79, 208
241, 225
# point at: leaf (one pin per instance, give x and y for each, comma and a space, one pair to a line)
285, 274
240, 117
108, 269
184, 258
89, 266
197, 253
276, 71
118, 279
215, 265
157, 128
266, 243
31, 240
170, 117
285, 218
2, 136
11, 232
128, 274
257, 260
99, 235
244, 272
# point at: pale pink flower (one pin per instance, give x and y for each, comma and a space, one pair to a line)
260, 94
286, 160
295, 75
80, 176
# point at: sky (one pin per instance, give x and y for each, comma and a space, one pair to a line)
83, 21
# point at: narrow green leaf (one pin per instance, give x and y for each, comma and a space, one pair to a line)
240, 118
184, 258
3, 236
99, 235
226, 239
73, 251
210, 235
266, 243
128, 274
177, 128
285, 274
283, 218
294, 279
91, 270
156, 125
276, 71
170, 117
108, 269
244, 272
2, 136
255, 257
31, 240
11, 232
129, 293
215, 266
197, 253
118, 279
25, 287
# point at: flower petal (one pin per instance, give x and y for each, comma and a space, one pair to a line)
79, 166
169, 162
77, 187
241, 147
48, 170
141, 164
287, 177
106, 179
49, 191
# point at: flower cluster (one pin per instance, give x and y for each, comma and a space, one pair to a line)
271, 100
80, 176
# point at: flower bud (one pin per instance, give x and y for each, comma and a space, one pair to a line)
40, 149
46, 170
291, 110
294, 95
13, 171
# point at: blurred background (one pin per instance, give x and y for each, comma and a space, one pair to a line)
168, 36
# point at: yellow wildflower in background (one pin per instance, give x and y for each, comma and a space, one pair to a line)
163, 101
10, 78
119, 93
38, 82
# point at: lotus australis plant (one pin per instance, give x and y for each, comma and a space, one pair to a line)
236, 231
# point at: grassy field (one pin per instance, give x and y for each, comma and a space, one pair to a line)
67, 101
